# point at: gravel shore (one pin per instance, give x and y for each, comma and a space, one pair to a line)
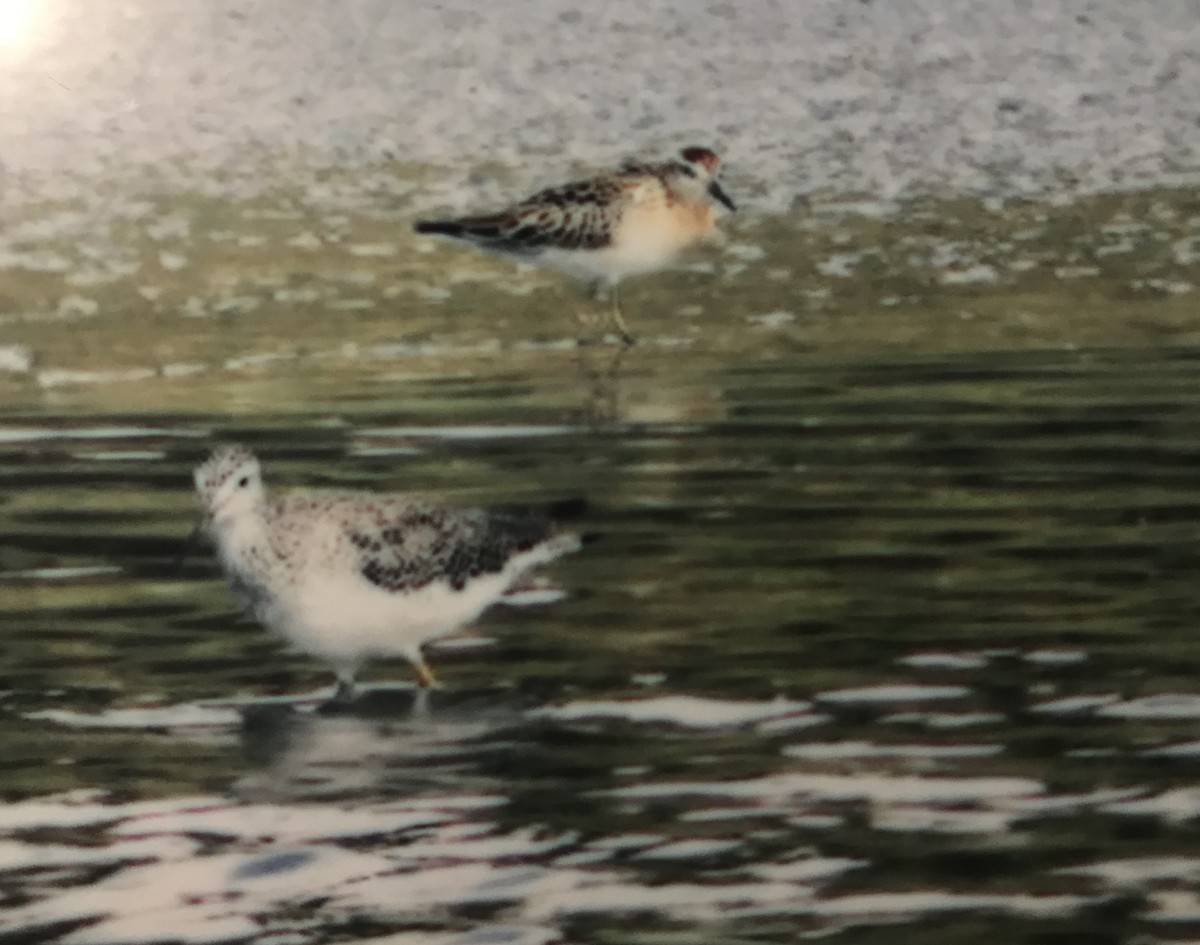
886, 98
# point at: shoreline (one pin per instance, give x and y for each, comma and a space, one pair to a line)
188, 285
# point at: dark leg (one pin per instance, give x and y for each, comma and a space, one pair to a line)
623, 333
345, 686
586, 320
601, 377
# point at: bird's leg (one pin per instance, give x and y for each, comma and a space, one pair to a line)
623, 333
586, 320
598, 289
601, 384
345, 685
424, 673
189, 546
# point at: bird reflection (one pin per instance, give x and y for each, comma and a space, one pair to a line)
599, 372
397, 741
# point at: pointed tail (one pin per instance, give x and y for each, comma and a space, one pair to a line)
440, 227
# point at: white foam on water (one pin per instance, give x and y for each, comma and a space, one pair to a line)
200, 899
173, 717
834, 751
566, 893
21, 855
456, 803
911, 818
625, 841
437, 886
1174, 905
892, 693
809, 870
40, 434
189, 924
491, 935
384, 451
475, 843
952, 721
772, 320
1164, 706
1139, 872
258, 360
379, 250
60, 574
895, 906
792, 723
1180, 750
1055, 657
683, 711
981, 273
64, 811
837, 787
183, 369
563, 895
1173, 806
1075, 705
950, 661
1058, 805
689, 850
301, 824
15, 359
67, 378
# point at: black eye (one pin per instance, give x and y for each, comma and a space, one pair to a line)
243, 482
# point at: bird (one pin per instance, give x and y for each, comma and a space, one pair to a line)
347, 576
630, 221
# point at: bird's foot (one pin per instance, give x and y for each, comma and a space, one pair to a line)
425, 677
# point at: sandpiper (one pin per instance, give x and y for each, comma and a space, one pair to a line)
633, 220
347, 576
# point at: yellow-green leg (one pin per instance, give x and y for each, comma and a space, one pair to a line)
424, 673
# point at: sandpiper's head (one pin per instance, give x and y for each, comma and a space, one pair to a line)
702, 165
229, 483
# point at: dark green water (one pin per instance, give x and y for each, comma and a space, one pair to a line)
900, 651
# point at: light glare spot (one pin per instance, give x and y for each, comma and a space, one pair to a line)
16, 21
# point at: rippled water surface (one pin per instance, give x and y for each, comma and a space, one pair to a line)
901, 650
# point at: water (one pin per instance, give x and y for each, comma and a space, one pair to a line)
899, 649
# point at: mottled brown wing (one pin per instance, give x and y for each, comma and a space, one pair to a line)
572, 216
421, 545
579, 215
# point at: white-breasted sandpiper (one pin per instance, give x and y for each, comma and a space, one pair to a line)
347, 576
